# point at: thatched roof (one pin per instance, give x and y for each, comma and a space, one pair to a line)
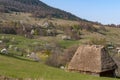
91, 59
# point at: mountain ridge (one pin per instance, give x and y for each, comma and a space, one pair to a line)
36, 7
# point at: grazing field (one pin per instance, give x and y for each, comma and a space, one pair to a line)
22, 68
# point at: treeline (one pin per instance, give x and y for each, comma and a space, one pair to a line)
36, 7
113, 25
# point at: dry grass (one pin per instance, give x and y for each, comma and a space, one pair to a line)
26, 18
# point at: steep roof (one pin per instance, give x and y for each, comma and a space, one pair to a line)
92, 59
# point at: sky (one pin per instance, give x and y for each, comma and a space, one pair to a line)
103, 11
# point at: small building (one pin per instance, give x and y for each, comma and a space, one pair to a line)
94, 60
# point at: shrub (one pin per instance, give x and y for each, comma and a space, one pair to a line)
73, 32
68, 54
47, 52
59, 58
54, 59
5, 39
98, 41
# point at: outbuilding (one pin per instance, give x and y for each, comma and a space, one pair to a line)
94, 60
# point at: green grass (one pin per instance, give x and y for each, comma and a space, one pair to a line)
68, 43
25, 43
21, 42
17, 68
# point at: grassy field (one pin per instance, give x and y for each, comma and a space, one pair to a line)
20, 42
21, 68
111, 35
26, 18
66, 44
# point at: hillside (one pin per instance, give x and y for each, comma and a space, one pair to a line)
36, 7
19, 68
28, 26
27, 19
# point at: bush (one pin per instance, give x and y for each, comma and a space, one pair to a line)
98, 41
54, 59
5, 39
68, 54
59, 58
73, 32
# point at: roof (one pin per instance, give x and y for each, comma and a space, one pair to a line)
92, 59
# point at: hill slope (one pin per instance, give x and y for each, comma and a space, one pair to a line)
36, 7
19, 68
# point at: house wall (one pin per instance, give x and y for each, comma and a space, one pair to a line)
110, 73
85, 72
